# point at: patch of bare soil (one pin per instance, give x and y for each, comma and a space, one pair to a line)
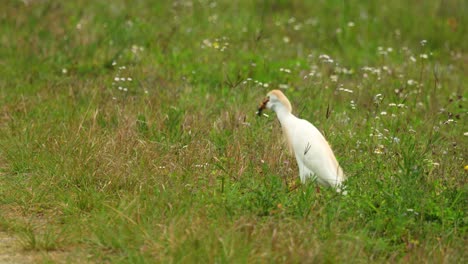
12, 252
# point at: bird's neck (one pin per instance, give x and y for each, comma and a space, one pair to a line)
286, 119
284, 116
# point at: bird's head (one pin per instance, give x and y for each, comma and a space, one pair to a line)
275, 100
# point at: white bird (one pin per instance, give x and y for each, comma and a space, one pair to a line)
314, 156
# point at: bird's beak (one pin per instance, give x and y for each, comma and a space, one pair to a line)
262, 106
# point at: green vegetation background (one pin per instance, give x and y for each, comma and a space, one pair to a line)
128, 134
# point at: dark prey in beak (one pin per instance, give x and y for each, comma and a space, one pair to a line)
262, 106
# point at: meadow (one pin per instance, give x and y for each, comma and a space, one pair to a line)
128, 131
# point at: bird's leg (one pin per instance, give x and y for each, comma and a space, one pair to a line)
317, 188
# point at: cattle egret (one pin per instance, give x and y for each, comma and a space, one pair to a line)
314, 156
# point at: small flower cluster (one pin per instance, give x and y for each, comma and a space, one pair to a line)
313, 71
378, 99
122, 81
186, 4
383, 136
349, 25
371, 70
345, 90
413, 57
325, 58
397, 105
344, 70
213, 18
384, 51
411, 82
220, 44
293, 24
256, 83
135, 49
204, 165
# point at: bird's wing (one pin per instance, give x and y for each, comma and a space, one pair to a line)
315, 153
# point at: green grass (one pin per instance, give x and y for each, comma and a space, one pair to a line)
174, 166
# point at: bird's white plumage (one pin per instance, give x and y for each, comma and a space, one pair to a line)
313, 154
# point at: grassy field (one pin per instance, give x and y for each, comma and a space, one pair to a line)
128, 131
